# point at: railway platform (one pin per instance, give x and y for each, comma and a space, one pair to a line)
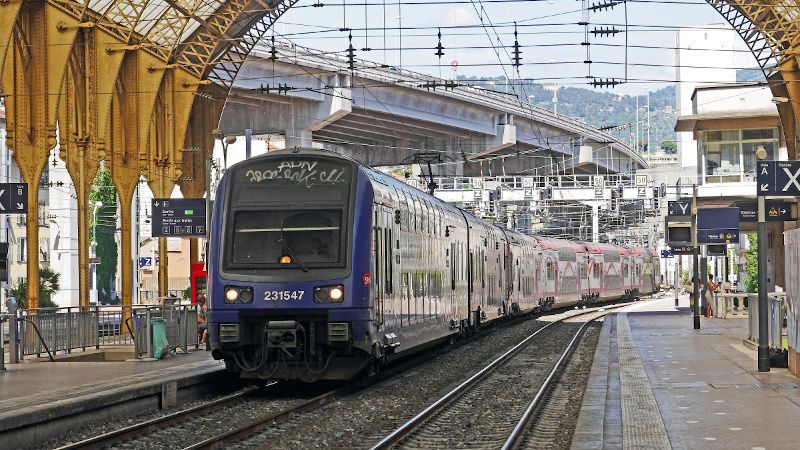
657, 383
39, 398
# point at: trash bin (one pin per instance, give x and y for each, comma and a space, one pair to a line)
160, 342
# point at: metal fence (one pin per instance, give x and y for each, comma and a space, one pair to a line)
777, 315
44, 331
180, 324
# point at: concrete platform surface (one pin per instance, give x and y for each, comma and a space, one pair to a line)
658, 383
38, 380
39, 391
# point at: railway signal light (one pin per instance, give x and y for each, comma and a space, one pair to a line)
656, 192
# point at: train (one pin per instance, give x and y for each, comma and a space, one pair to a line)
322, 268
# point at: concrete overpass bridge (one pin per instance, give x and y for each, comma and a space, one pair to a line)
385, 116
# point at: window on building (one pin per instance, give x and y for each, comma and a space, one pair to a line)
22, 250
729, 155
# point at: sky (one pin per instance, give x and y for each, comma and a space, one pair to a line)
549, 35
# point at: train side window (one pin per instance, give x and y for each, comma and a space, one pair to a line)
452, 266
387, 261
419, 214
378, 256
423, 220
405, 302
401, 200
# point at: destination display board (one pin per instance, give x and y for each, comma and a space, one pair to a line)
179, 217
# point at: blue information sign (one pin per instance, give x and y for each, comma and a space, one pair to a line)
717, 225
778, 178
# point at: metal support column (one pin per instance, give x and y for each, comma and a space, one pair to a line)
763, 319
695, 256
704, 284
677, 276
248, 143
596, 222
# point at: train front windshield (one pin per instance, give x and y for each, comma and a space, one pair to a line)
311, 237
289, 213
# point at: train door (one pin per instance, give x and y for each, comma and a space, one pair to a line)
540, 276
382, 273
509, 275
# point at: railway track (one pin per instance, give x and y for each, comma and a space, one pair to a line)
224, 422
488, 410
189, 428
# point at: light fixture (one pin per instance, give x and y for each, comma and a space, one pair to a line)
231, 294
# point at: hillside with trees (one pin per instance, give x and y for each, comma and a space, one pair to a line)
603, 109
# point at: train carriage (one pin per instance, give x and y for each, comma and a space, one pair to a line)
320, 268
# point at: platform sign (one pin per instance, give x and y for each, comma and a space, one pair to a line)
13, 198
718, 225
599, 183
776, 211
778, 178
666, 253
679, 208
179, 217
681, 249
147, 261
716, 250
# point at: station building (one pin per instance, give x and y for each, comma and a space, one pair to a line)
729, 123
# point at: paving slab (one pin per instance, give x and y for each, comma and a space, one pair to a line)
708, 392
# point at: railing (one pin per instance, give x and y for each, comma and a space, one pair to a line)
524, 182
731, 303
180, 324
61, 330
777, 314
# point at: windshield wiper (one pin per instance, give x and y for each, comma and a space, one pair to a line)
291, 253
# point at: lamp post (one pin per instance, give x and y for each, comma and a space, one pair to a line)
763, 322
93, 249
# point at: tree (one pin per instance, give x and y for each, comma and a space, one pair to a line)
669, 147
102, 231
751, 255
48, 286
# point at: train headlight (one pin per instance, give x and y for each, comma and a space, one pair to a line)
320, 295
238, 294
336, 294
231, 294
286, 259
329, 294
246, 295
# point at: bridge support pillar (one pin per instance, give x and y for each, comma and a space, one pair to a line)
299, 138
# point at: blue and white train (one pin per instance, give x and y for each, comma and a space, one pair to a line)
320, 268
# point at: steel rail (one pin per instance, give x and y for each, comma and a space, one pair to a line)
396, 436
522, 425
139, 429
220, 440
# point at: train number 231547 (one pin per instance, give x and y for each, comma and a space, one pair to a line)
283, 295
